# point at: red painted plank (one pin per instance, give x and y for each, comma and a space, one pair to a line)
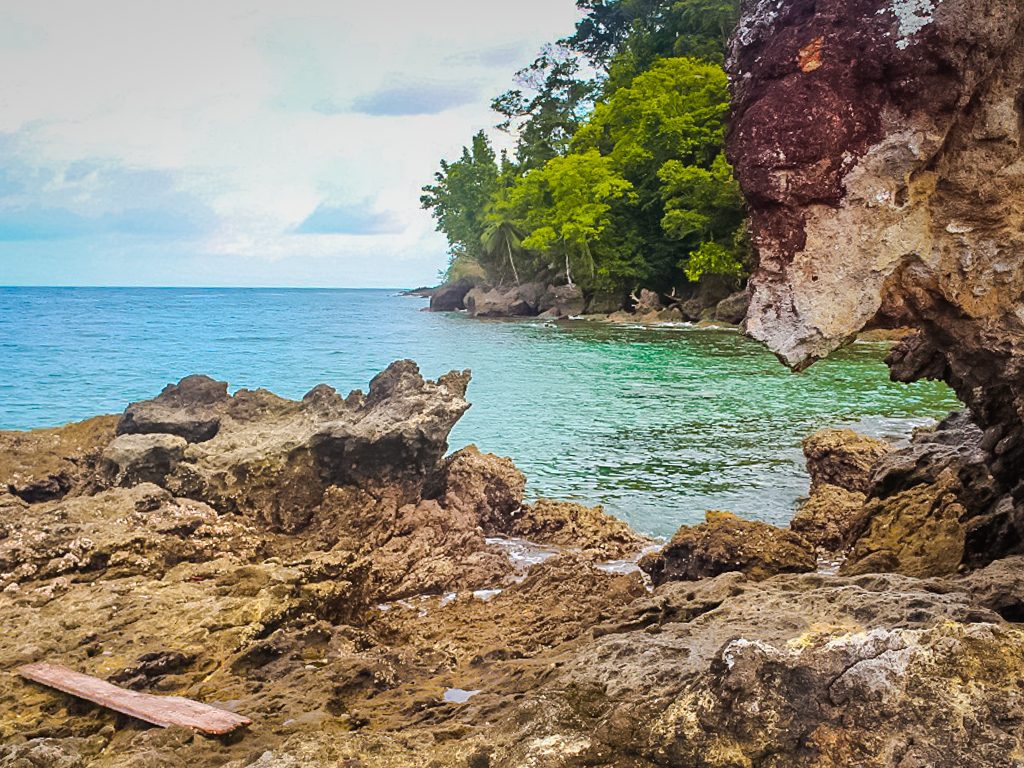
158, 710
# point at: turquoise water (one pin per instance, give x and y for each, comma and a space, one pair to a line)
657, 425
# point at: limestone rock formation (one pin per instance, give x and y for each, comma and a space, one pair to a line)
879, 144
261, 455
391, 630
190, 409
830, 517
136, 458
725, 542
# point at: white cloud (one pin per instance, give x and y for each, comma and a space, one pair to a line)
219, 101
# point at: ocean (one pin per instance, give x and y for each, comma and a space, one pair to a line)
658, 425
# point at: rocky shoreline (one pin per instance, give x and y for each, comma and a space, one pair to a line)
711, 302
328, 569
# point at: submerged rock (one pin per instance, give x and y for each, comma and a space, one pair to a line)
725, 542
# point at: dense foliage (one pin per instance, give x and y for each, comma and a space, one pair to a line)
618, 179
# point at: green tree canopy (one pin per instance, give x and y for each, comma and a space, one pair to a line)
566, 207
460, 195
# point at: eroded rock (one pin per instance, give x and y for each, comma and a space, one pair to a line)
725, 542
47, 464
843, 458
880, 145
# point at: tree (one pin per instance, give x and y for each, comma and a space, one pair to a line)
551, 101
460, 195
502, 244
676, 111
566, 207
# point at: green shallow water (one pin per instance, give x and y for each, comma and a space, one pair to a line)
656, 424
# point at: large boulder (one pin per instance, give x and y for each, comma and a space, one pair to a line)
451, 296
879, 146
190, 409
501, 302
725, 542
733, 308
562, 301
605, 302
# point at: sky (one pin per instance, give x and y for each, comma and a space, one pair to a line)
256, 143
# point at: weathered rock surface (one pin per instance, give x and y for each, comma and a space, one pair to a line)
830, 517
840, 463
135, 458
843, 458
565, 524
190, 409
343, 638
273, 458
50, 463
879, 144
725, 542
929, 506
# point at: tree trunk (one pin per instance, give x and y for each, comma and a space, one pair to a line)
515, 274
568, 272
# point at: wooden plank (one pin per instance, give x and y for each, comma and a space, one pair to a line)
158, 710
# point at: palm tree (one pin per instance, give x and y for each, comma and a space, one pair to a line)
501, 240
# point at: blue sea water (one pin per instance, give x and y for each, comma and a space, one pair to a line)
658, 425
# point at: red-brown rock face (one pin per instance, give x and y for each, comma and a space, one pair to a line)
879, 145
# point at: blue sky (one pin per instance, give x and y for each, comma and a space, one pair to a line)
242, 143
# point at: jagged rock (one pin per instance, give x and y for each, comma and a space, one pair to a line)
733, 308
273, 458
830, 516
565, 524
135, 458
46, 464
932, 506
190, 409
451, 297
487, 487
843, 457
725, 542
879, 145
421, 547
